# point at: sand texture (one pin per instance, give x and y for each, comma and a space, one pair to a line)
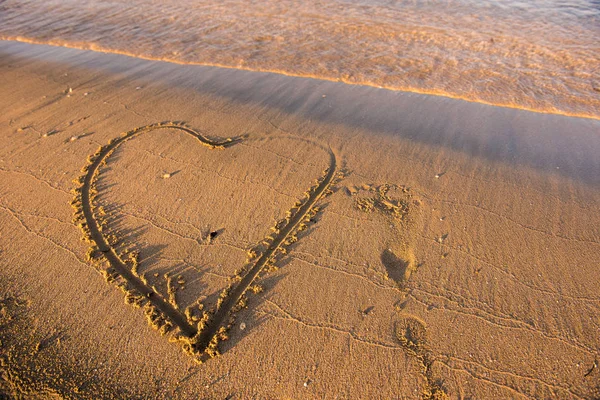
189, 232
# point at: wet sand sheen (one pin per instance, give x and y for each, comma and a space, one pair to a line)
457, 255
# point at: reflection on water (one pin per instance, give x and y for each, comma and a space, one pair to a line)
537, 54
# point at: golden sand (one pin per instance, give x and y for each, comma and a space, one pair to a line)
289, 238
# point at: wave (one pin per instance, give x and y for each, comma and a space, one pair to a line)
473, 51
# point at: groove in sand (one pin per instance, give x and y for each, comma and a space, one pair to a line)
201, 340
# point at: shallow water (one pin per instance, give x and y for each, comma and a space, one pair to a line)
542, 55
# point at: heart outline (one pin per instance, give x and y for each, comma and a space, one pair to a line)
201, 342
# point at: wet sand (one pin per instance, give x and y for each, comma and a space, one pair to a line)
413, 245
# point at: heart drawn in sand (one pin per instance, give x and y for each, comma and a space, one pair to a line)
199, 336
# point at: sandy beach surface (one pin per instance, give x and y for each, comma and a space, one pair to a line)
340, 241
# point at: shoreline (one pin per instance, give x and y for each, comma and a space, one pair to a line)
458, 253
447, 95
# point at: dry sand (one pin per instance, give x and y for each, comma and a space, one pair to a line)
457, 256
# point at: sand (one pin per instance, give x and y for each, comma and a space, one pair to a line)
346, 241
